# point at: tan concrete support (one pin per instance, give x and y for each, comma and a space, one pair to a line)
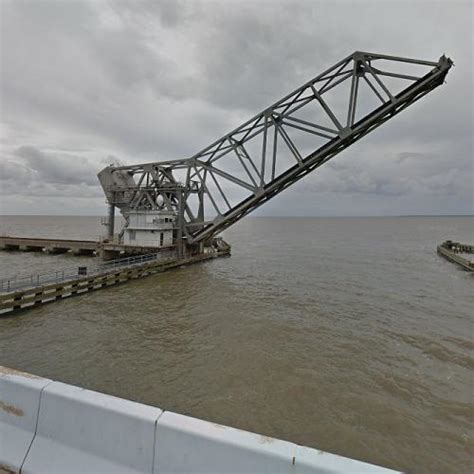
82, 252
109, 254
11, 247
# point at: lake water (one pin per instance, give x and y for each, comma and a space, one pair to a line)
350, 335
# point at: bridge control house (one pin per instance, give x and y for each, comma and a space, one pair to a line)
149, 229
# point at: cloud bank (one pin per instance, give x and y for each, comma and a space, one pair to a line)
86, 83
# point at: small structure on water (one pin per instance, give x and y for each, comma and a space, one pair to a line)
150, 229
453, 251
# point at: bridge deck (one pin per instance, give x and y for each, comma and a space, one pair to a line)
32, 244
107, 250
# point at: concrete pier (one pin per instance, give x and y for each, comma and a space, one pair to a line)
27, 244
53, 427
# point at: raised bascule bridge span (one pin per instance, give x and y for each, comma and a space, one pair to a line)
242, 170
178, 208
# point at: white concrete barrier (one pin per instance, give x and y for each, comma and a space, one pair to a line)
84, 431
313, 461
185, 445
51, 427
19, 405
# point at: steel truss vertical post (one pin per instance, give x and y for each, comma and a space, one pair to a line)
111, 222
180, 244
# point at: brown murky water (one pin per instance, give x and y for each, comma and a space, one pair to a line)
348, 335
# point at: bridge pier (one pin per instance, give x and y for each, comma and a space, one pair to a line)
56, 250
90, 252
24, 248
107, 254
111, 222
32, 248
10, 247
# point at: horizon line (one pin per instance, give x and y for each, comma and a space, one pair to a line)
265, 216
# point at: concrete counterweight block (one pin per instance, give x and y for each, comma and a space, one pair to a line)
19, 404
84, 431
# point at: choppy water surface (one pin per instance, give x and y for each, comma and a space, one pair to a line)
348, 335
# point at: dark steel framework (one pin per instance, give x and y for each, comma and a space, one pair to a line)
245, 168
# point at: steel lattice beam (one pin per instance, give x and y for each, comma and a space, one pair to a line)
259, 174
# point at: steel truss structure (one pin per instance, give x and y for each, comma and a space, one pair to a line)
297, 134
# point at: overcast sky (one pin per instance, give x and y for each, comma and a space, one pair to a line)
87, 83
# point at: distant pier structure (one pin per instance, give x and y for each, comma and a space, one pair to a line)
457, 252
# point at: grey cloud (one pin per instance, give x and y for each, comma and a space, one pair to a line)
53, 168
405, 173
145, 80
14, 177
40, 189
407, 155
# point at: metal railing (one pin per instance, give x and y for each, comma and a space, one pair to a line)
21, 282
